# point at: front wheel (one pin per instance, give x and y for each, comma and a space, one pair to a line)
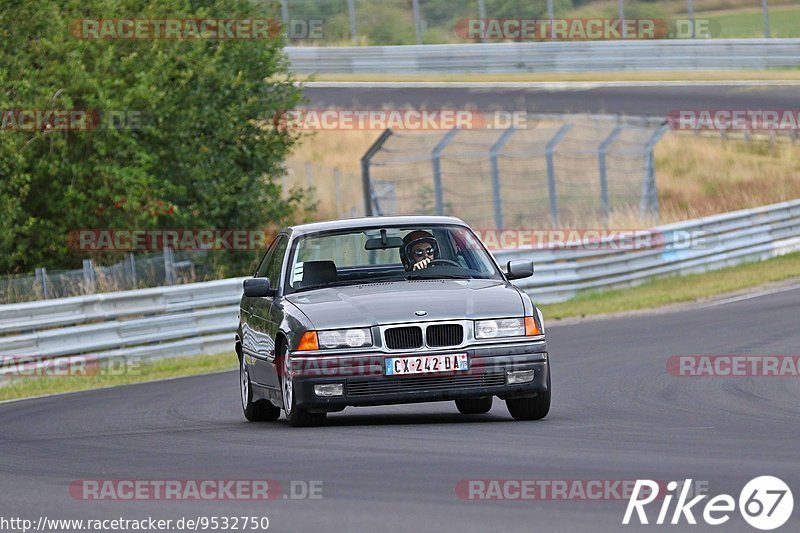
258, 411
534, 408
475, 406
296, 416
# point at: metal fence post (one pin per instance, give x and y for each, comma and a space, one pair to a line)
89, 277
551, 173
351, 8
285, 12
365, 177
41, 279
621, 10
601, 159
551, 14
309, 175
649, 200
417, 24
765, 13
437, 169
169, 266
130, 265
482, 15
337, 185
690, 9
493, 153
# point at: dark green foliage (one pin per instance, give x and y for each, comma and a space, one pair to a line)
200, 156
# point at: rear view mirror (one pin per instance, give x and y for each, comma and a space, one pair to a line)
520, 268
383, 243
258, 288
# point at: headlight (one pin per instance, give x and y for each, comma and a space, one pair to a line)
344, 338
505, 327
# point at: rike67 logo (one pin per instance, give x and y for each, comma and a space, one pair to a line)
765, 503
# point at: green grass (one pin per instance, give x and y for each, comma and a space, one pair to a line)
24, 387
677, 289
746, 24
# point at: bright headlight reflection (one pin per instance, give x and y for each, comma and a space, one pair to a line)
506, 327
486, 329
355, 338
344, 338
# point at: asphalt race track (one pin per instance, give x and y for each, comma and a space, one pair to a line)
617, 415
648, 100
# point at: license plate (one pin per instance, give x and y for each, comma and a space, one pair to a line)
426, 364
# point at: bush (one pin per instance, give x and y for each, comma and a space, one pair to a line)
199, 158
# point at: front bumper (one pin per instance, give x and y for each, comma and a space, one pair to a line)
365, 383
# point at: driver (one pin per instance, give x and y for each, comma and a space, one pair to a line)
419, 249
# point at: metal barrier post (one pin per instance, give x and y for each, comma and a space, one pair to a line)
482, 15
130, 266
337, 184
601, 159
437, 169
89, 278
41, 278
351, 8
285, 12
169, 266
417, 23
493, 153
649, 200
551, 173
365, 178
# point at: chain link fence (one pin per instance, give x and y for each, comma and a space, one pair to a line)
133, 272
404, 22
330, 190
558, 171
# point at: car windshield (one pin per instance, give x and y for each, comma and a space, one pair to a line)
383, 254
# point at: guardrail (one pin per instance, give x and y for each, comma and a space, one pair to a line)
201, 317
572, 56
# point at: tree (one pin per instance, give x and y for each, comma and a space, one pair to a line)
180, 141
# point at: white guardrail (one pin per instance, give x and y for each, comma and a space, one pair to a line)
201, 317
572, 56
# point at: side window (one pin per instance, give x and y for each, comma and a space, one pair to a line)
262, 265
273, 270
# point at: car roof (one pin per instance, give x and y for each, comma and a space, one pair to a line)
371, 222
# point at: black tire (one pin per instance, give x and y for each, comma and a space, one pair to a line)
475, 406
534, 408
258, 411
296, 416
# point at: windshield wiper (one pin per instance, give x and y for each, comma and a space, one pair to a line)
345, 283
441, 276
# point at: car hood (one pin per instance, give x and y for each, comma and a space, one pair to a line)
393, 302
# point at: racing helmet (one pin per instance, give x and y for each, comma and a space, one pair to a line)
412, 239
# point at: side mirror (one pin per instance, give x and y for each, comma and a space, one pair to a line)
520, 268
258, 288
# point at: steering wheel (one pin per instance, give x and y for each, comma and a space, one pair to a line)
444, 262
